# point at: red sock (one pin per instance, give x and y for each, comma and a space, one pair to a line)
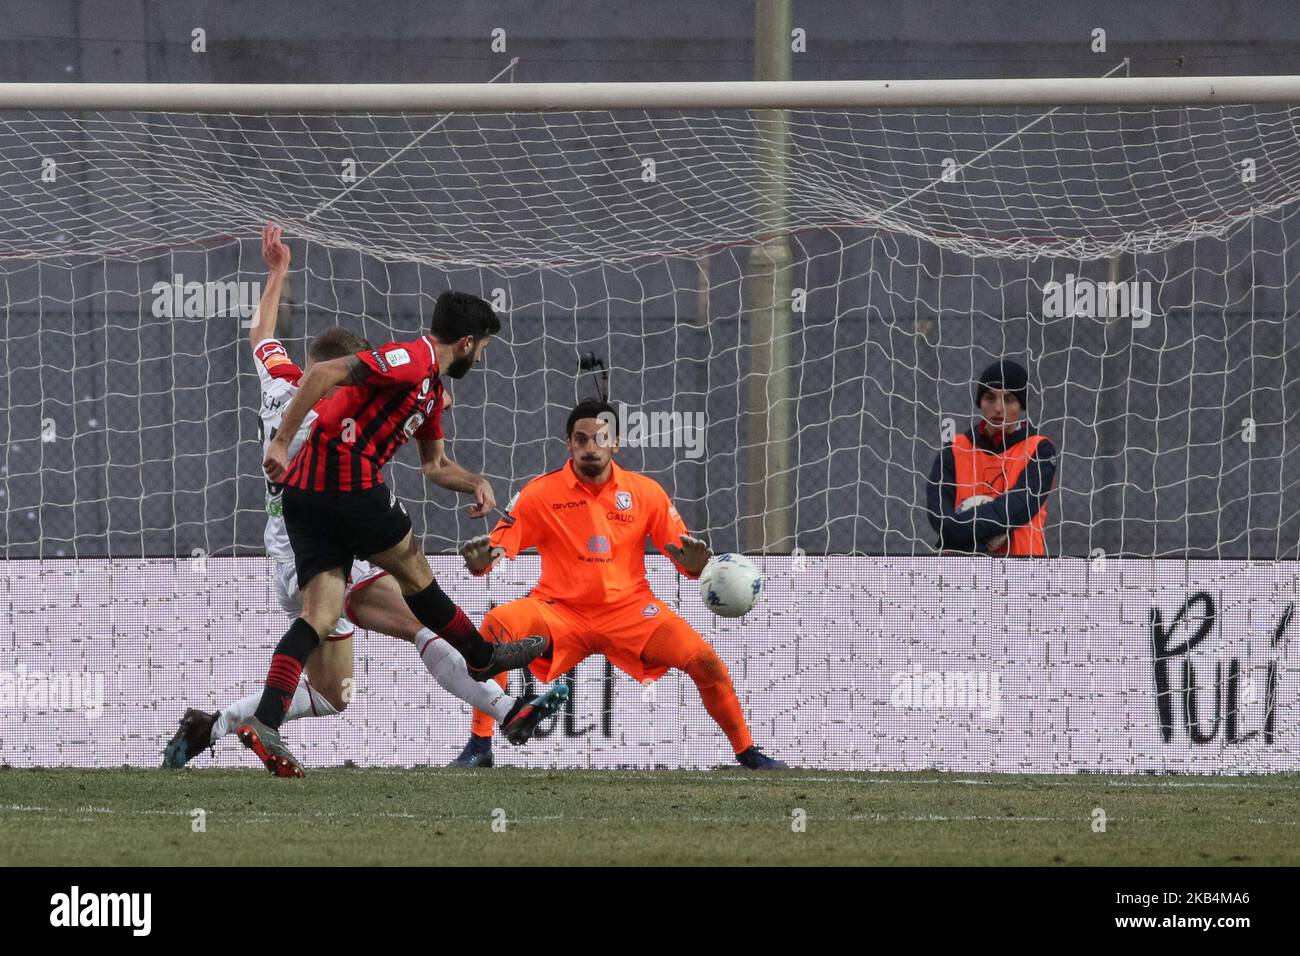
439, 613
459, 628
286, 667
281, 684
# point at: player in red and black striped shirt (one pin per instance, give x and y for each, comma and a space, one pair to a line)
360, 428
337, 507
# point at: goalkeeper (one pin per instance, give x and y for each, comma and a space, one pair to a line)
589, 521
988, 489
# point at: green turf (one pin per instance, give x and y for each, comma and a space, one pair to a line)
428, 816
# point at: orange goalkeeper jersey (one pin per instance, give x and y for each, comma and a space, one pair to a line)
591, 540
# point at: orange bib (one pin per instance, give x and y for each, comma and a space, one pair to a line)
981, 472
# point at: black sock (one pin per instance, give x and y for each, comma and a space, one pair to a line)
439, 613
286, 668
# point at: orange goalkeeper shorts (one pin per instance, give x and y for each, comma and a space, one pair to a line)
619, 633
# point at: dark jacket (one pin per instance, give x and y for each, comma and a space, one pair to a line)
970, 530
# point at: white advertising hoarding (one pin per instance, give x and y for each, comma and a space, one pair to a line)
950, 663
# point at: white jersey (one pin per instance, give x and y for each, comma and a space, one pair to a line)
279, 377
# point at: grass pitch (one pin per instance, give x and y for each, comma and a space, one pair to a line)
438, 816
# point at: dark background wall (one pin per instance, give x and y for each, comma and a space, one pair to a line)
160, 454
410, 41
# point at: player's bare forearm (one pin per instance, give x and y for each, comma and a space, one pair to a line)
447, 474
268, 309
320, 378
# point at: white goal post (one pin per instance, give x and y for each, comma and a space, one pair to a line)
545, 97
814, 273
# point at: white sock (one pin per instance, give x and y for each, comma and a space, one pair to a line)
448, 668
317, 706
245, 707
234, 715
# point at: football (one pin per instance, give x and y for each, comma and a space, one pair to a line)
730, 585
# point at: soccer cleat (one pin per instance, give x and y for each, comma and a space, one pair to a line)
477, 753
192, 737
265, 742
509, 656
524, 716
755, 759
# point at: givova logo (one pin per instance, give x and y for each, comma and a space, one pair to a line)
75, 909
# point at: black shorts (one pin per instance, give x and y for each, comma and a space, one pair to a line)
327, 529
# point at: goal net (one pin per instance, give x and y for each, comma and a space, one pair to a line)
794, 309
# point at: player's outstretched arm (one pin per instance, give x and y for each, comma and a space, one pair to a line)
445, 473
668, 533
276, 256
518, 530
480, 554
322, 376
690, 554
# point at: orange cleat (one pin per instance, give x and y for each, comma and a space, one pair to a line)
265, 742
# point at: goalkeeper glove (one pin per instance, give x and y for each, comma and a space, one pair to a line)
480, 555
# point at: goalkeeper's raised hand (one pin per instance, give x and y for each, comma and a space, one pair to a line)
479, 554
692, 556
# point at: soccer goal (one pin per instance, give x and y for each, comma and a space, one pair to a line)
790, 290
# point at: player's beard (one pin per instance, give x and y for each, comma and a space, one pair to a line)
590, 468
460, 367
